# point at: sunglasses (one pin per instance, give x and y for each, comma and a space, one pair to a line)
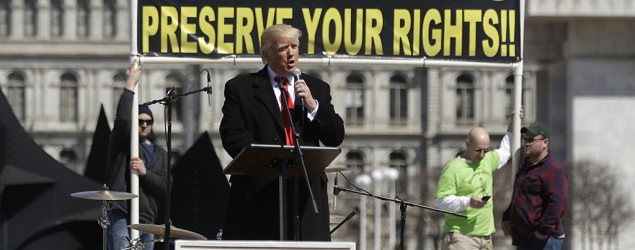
148, 122
483, 150
531, 141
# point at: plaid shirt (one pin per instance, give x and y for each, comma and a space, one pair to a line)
539, 200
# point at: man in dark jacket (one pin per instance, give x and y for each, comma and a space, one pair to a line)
534, 217
151, 166
253, 112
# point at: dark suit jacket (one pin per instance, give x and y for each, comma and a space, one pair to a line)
251, 115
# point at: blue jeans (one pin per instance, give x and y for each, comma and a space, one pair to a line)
551, 243
118, 232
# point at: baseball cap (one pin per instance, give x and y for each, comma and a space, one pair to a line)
537, 128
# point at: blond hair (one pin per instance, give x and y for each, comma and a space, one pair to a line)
272, 33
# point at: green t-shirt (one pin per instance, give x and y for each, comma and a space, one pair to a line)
470, 179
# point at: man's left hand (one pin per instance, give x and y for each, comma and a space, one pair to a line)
540, 236
138, 165
303, 91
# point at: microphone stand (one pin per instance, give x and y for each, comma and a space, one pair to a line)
402, 205
167, 101
300, 158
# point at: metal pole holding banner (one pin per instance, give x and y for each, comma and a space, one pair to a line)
134, 126
518, 95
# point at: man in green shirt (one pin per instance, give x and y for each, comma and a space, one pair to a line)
465, 186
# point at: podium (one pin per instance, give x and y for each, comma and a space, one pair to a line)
264, 159
274, 160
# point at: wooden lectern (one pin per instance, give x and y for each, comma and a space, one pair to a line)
274, 160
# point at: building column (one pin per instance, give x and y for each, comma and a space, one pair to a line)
17, 19
122, 27
70, 19
43, 19
97, 20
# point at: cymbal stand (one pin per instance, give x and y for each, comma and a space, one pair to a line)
135, 244
103, 222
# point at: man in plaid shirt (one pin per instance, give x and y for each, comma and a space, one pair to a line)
534, 216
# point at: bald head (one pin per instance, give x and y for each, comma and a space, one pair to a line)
478, 135
477, 143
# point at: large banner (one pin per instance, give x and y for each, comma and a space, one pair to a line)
470, 30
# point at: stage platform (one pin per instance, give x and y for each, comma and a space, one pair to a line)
261, 245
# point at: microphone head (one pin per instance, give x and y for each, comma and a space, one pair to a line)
277, 79
296, 73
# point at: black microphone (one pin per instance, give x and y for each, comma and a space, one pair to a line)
348, 217
296, 77
171, 91
277, 79
336, 190
209, 89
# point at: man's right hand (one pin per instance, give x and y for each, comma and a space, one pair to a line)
477, 202
134, 75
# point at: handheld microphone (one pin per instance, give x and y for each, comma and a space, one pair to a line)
336, 190
209, 89
296, 77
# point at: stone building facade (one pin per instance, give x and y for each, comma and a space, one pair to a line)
61, 60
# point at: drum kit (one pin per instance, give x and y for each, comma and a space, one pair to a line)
106, 195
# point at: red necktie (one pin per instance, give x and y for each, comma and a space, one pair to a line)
287, 124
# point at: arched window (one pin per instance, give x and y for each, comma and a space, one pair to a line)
5, 18
68, 157
110, 18
398, 98
118, 83
30, 18
464, 98
16, 94
83, 18
68, 98
175, 80
355, 162
398, 161
354, 100
57, 18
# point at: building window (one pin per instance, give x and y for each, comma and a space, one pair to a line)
68, 98
83, 18
355, 162
464, 98
110, 18
354, 100
398, 161
57, 18
118, 83
175, 80
5, 18
398, 99
509, 95
30, 18
68, 158
16, 94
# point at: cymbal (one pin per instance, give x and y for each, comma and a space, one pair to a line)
335, 169
175, 232
104, 195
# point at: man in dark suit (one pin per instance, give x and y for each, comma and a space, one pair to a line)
252, 113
